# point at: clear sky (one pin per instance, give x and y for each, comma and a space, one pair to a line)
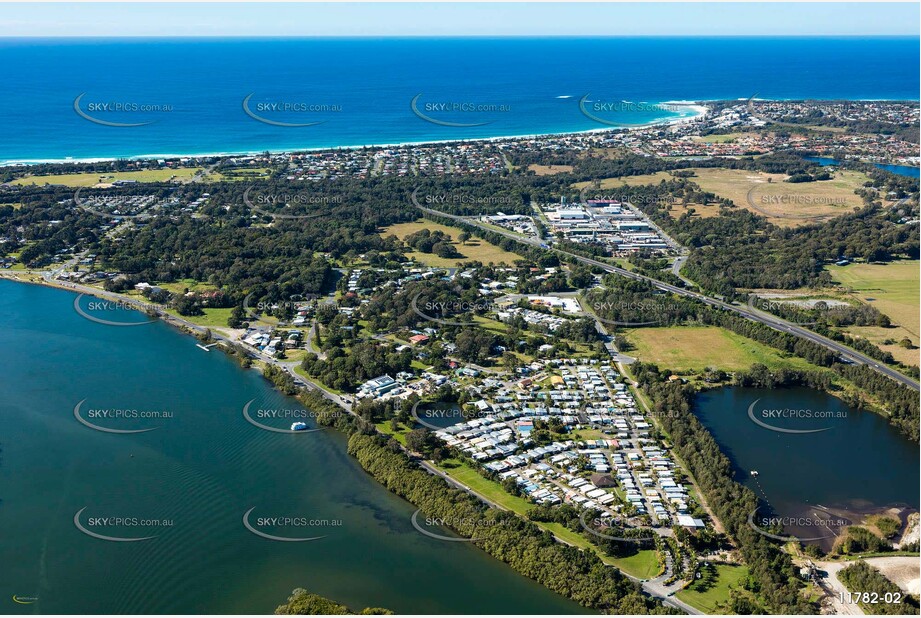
459, 19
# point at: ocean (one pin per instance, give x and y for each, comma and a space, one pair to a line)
106, 98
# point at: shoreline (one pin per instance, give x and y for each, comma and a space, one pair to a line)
308, 388
856, 514
699, 110
699, 107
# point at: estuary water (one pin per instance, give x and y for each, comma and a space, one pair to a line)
185, 486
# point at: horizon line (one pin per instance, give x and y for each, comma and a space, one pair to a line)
456, 36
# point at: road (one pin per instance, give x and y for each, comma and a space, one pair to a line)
676, 270
659, 589
835, 590
311, 346
653, 588
747, 312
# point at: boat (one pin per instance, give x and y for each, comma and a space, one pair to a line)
298, 426
754, 473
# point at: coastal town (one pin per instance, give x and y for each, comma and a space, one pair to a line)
467, 334
443, 308
743, 128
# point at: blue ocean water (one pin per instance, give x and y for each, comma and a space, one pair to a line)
187, 95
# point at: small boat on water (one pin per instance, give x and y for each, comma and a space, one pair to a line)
298, 426
754, 473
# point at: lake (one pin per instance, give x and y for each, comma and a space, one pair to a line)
901, 170
853, 462
187, 483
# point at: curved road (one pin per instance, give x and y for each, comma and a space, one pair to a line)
765, 318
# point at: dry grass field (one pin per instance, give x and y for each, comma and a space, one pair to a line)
93, 179
893, 289
782, 203
474, 249
549, 170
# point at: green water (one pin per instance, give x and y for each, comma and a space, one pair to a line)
198, 472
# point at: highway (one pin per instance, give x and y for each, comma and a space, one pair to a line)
767, 319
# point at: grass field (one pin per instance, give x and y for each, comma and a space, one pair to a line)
215, 318
475, 249
490, 324
643, 564
95, 178
837, 193
695, 348
893, 289
827, 198
549, 170
723, 138
715, 592
183, 285
630, 181
699, 210
399, 435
